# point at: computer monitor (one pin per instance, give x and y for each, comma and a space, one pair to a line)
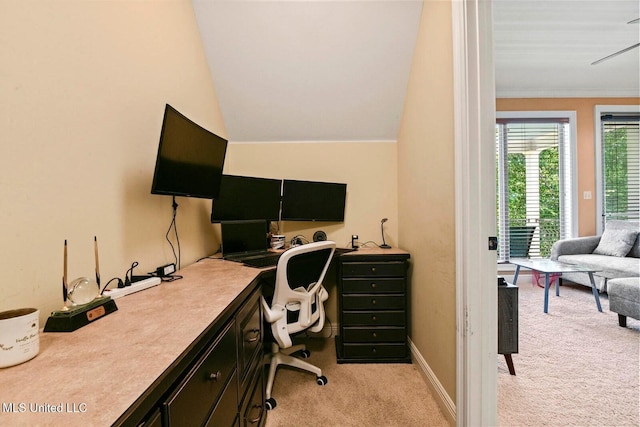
246, 198
313, 201
243, 237
190, 158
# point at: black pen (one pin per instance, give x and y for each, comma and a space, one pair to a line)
95, 247
64, 277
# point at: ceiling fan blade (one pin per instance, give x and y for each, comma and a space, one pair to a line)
634, 21
616, 54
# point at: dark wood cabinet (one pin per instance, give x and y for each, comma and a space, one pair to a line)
196, 395
508, 323
220, 381
373, 307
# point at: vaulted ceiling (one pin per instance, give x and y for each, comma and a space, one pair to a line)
338, 70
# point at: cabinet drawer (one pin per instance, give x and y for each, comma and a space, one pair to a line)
373, 351
249, 335
225, 411
377, 334
373, 285
374, 318
252, 410
373, 302
198, 392
374, 269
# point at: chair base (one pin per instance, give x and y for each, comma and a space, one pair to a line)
281, 356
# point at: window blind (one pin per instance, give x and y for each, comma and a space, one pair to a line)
533, 185
620, 186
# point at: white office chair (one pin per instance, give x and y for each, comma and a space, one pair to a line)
297, 305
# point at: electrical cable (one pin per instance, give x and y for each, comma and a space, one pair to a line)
107, 284
173, 225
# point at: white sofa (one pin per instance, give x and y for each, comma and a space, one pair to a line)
615, 254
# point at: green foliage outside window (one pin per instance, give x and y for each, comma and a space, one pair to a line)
549, 195
615, 173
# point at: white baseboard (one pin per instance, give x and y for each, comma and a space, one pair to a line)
443, 399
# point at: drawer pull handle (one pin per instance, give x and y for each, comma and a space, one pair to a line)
373, 269
256, 419
373, 302
256, 335
373, 350
374, 318
373, 285
215, 376
373, 334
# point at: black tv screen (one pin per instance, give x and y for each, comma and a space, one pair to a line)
313, 201
190, 158
247, 198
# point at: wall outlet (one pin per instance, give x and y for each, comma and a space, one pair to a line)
586, 195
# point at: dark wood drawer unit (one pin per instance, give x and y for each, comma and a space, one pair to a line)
373, 307
252, 409
249, 337
225, 413
219, 379
194, 398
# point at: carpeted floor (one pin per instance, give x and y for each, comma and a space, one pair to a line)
389, 395
575, 367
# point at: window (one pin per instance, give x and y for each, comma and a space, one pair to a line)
535, 182
618, 163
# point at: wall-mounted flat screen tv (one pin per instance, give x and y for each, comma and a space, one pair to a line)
313, 201
247, 198
190, 158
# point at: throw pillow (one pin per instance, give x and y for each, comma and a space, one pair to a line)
616, 242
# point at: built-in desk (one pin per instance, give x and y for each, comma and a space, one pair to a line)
119, 369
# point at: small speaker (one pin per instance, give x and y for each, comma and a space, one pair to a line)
319, 236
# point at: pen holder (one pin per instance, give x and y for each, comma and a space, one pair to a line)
77, 317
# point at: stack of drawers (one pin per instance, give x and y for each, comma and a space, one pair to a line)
373, 307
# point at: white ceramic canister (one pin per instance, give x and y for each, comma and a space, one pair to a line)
19, 336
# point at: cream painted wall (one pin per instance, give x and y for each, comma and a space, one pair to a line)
83, 88
585, 109
368, 168
426, 201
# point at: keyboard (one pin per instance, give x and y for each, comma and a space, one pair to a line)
262, 261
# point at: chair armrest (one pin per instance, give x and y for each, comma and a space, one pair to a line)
578, 245
272, 314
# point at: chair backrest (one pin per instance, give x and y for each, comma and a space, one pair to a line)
299, 296
302, 267
520, 240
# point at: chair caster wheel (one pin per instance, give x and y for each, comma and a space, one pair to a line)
305, 354
270, 403
322, 380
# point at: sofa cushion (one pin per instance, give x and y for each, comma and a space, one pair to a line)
607, 266
627, 225
616, 241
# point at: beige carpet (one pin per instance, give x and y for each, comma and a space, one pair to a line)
356, 395
575, 367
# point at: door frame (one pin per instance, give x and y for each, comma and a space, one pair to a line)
476, 290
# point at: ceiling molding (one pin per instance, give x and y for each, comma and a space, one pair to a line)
574, 93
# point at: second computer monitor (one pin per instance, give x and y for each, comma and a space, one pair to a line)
247, 198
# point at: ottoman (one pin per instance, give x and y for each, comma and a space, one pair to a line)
624, 298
